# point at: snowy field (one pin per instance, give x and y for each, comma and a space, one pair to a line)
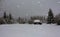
25, 30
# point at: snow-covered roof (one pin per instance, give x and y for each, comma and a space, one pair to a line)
36, 20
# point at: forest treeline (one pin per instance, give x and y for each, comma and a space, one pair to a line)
51, 18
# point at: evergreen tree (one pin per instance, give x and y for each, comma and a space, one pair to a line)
58, 22
57, 19
18, 20
2, 21
10, 19
10, 16
4, 16
50, 17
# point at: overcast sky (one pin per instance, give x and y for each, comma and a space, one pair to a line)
30, 7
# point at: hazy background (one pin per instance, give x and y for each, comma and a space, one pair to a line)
26, 8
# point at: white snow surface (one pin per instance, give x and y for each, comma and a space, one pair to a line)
31, 30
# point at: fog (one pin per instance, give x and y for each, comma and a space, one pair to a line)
26, 8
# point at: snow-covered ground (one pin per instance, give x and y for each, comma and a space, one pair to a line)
25, 30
